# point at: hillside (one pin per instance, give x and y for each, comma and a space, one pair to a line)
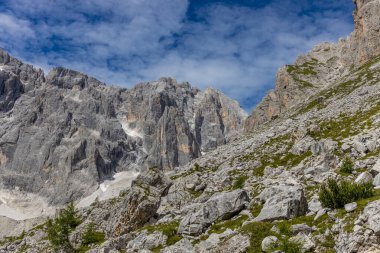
304, 178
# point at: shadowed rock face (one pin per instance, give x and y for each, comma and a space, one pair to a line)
61, 136
322, 67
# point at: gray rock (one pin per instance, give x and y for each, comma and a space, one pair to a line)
183, 246
345, 147
314, 204
350, 207
364, 177
376, 180
282, 202
147, 241
269, 243
220, 206
71, 126
300, 228
306, 243
238, 243
372, 214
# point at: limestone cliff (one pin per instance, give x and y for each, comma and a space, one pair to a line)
322, 66
60, 136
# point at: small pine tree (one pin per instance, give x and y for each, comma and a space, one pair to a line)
91, 236
59, 229
347, 166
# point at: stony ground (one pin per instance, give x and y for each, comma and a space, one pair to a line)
304, 178
257, 192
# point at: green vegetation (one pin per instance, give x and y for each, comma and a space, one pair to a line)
362, 75
196, 168
222, 226
305, 69
346, 125
347, 166
58, 230
91, 237
350, 218
257, 231
288, 246
256, 209
336, 194
10, 239
239, 182
268, 156
168, 229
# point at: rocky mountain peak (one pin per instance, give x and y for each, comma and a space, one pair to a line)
69, 79
71, 132
322, 67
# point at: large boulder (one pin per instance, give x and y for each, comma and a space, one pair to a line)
183, 246
132, 210
282, 202
220, 206
371, 214
147, 241
269, 243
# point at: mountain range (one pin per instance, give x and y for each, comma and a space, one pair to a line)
165, 167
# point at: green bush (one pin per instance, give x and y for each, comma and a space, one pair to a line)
336, 194
91, 236
59, 229
288, 246
347, 166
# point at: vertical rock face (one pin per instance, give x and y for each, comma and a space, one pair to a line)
321, 67
61, 136
364, 43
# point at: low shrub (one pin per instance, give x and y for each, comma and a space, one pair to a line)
334, 194
347, 166
91, 236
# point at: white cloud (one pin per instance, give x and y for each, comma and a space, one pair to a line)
234, 48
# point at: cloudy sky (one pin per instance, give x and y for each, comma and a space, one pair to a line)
233, 45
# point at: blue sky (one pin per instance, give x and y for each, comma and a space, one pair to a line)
235, 46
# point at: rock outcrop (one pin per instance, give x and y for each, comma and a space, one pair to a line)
221, 206
322, 67
64, 134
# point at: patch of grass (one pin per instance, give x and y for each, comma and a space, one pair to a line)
361, 75
92, 236
239, 182
305, 69
373, 153
275, 159
10, 239
350, 218
345, 125
168, 229
257, 231
288, 246
232, 224
336, 194
196, 194
196, 168
304, 83
256, 209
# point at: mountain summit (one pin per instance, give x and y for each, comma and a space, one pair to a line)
304, 178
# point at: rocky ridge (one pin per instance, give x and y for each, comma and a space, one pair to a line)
63, 134
324, 66
261, 192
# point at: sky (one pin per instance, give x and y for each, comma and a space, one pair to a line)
235, 46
